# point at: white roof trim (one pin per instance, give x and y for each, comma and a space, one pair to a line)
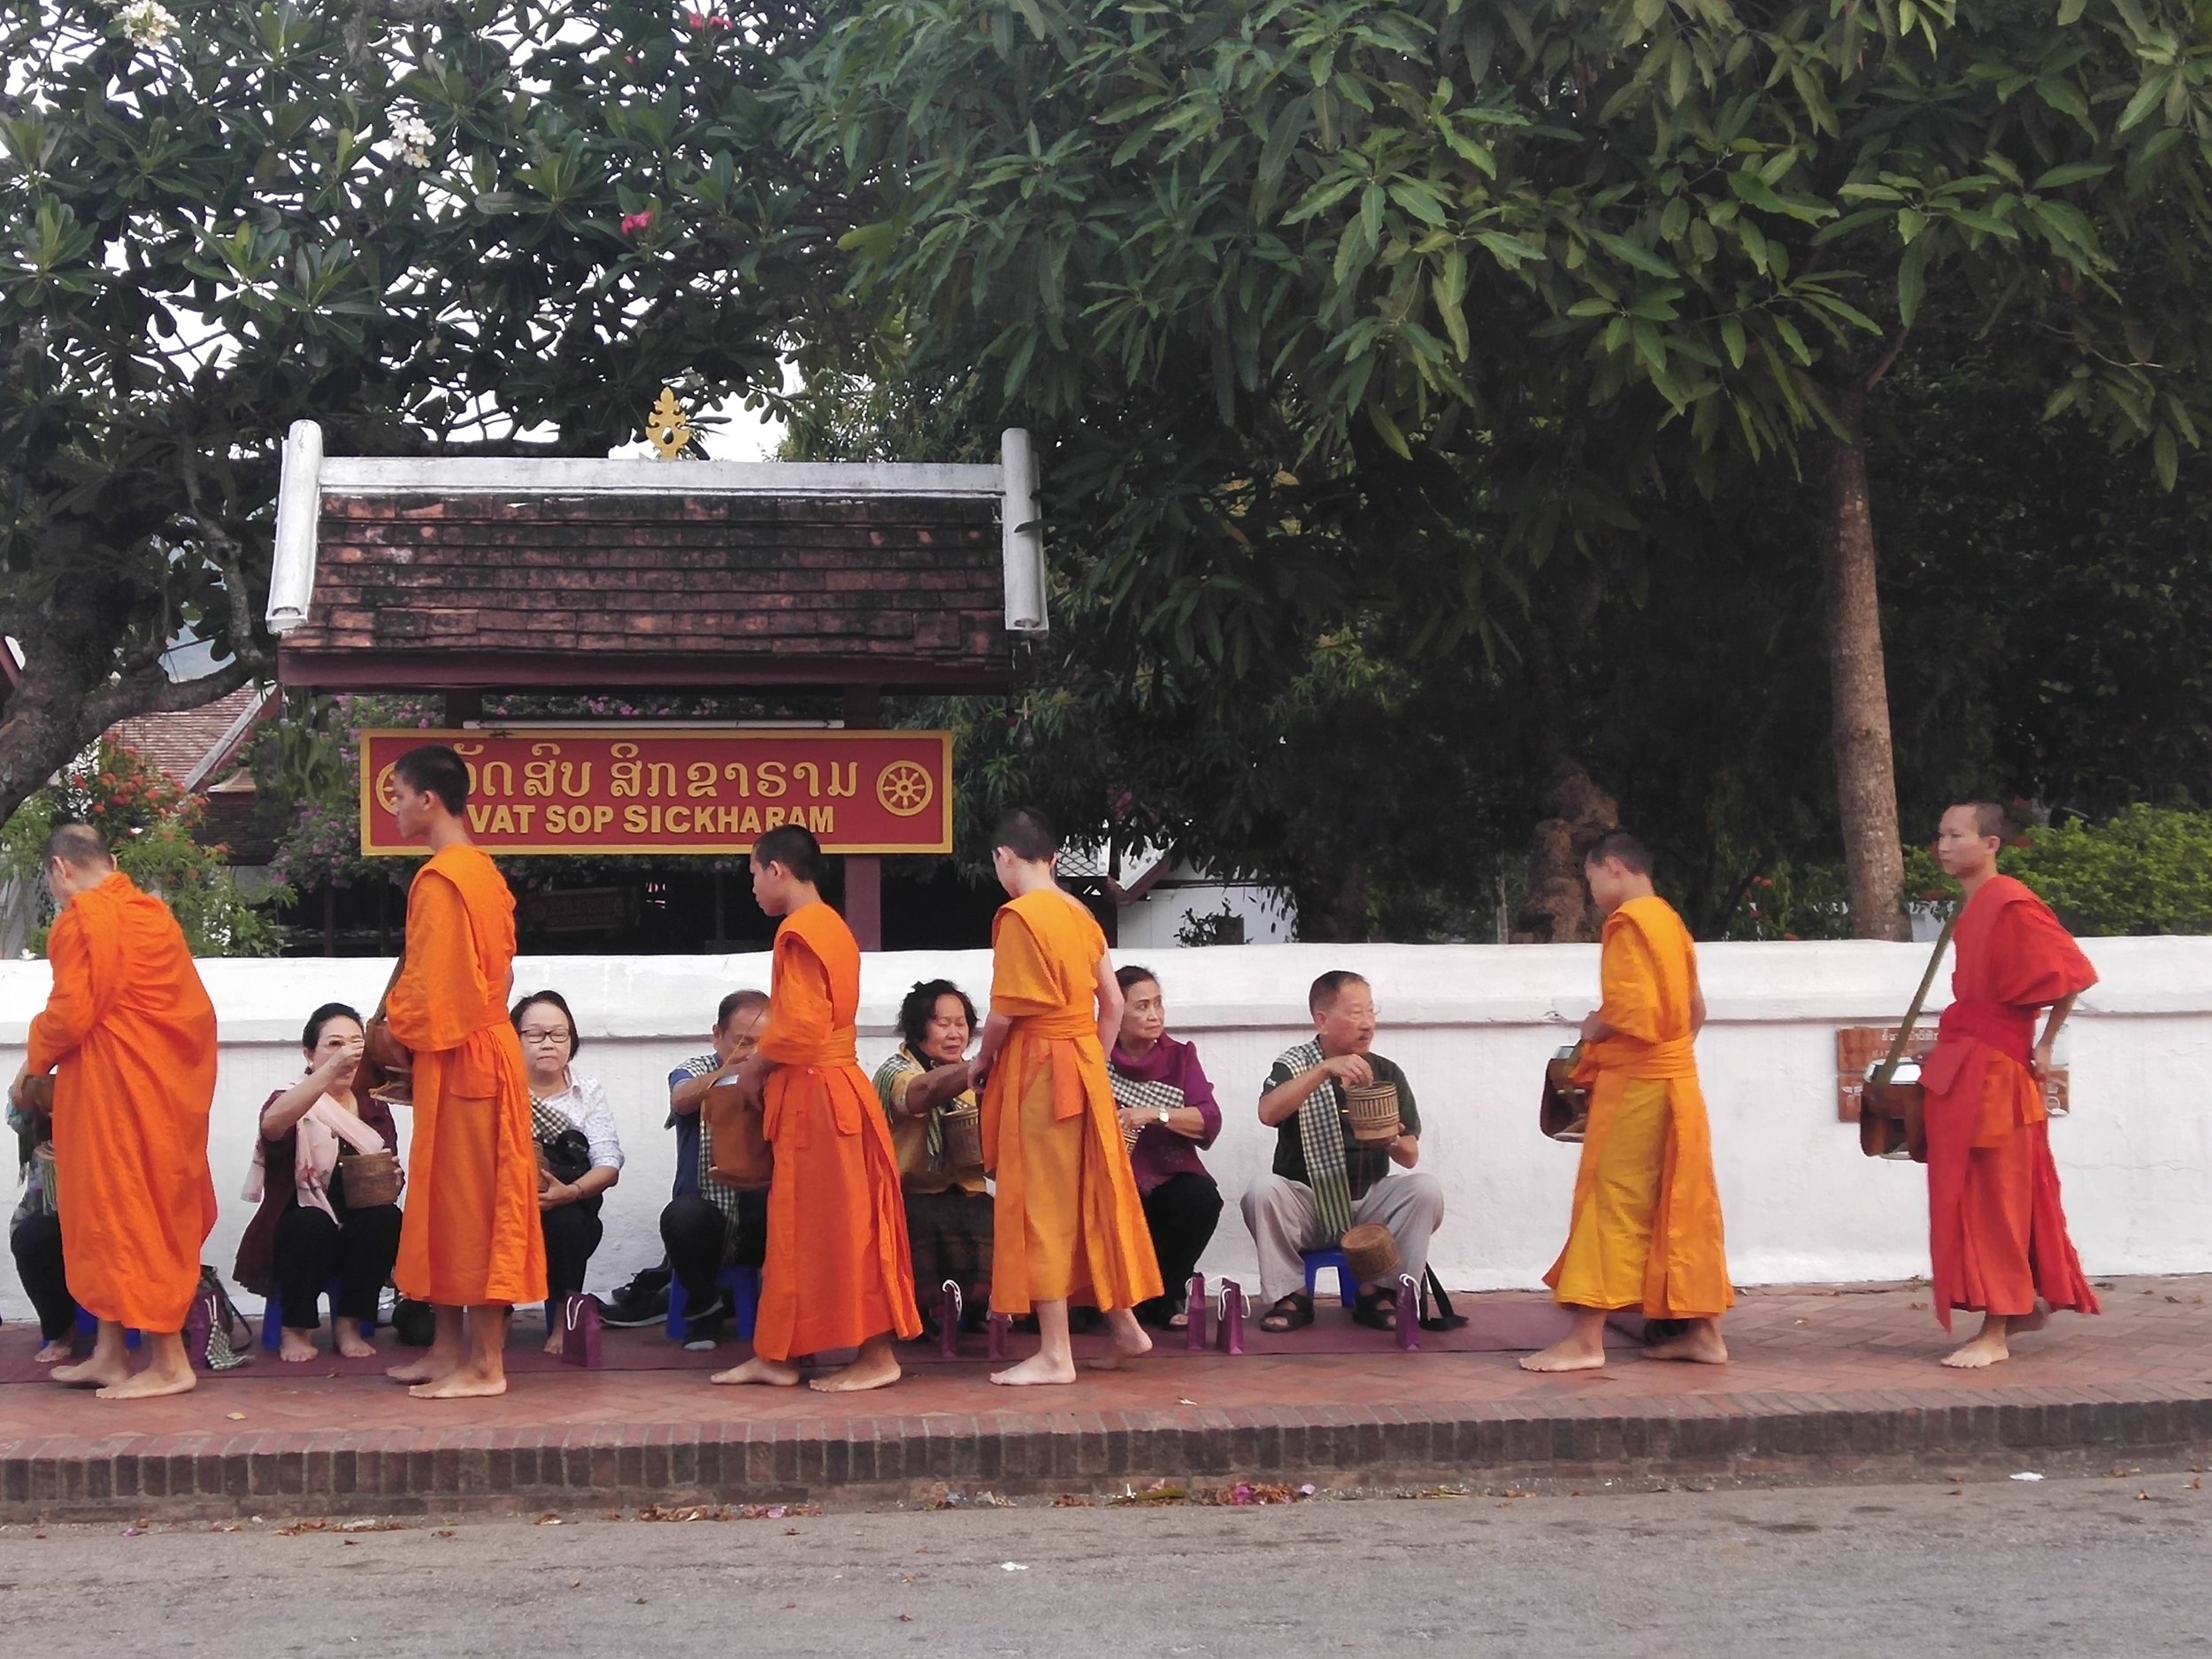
433, 475
308, 476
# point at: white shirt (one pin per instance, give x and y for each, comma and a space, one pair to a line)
584, 1104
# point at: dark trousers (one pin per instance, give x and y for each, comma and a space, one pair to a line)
311, 1250
700, 1241
37, 1244
572, 1233
1181, 1211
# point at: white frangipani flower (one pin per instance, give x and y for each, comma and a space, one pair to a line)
413, 134
147, 22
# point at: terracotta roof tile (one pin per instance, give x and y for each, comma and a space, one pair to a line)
178, 743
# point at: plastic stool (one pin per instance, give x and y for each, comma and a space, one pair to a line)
272, 1317
744, 1286
86, 1326
1318, 1262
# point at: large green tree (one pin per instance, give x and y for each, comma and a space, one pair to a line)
1437, 292
475, 226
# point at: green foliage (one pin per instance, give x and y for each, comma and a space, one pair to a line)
149, 823
2148, 870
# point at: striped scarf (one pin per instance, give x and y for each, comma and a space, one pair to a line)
1321, 1133
1145, 1097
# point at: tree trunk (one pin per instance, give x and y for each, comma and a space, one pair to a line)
1866, 770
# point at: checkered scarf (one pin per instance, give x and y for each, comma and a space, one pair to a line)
1147, 1097
1321, 1133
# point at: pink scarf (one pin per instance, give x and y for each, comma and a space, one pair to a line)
315, 1152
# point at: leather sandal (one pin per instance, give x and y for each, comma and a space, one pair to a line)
1377, 1308
1294, 1312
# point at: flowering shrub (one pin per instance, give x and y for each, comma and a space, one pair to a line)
149, 822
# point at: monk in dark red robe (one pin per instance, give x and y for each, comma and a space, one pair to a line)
1996, 1230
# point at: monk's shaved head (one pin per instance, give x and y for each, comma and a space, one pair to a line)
79, 846
1631, 854
433, 769
1989, 817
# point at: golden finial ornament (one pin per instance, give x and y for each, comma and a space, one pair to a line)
667, 426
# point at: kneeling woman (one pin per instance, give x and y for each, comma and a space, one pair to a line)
1168, 1111
948, 1211
579, 1154
307, 1232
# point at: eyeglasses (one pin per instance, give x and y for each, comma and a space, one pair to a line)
547, 1037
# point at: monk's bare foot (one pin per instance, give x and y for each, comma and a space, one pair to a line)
151, 1384
428, 1369
52, 1354
1699, 1345
295, 1348
352, 1343
467, 1383
94, 1373
876, 1367
1038, 1369
1574, 1354
1987, 1349
1130, 1340
772, 1373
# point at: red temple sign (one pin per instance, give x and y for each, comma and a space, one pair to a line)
622, 790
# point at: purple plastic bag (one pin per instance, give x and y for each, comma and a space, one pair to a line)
580, 1332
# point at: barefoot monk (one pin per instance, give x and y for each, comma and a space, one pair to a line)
129, 1033
1646, 1229
1996, 1230
838, 1274
471, 1243
1069, 1224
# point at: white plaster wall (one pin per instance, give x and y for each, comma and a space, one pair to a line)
1471, 1024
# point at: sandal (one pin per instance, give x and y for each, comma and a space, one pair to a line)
1179, 1320
1377, 1308
1294, 1312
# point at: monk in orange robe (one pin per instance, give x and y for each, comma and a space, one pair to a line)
471, 1243
1996, 1229
129, 1033
1068, 1223
1646, 1232
838, 1274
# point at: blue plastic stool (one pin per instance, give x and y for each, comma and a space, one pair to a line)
86, 1326
272, 1317
1318, 1262
744, 1286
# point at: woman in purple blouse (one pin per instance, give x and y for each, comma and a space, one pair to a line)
1168, 1112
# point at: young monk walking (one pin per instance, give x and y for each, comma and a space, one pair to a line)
129, 1033
470, 1243
1646, 1230
1069, 1224
1996, 1229
837, 1274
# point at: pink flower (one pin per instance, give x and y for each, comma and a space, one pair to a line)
633, 223
698, 21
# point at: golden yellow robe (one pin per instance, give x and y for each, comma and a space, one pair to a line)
1068, 1223
1647, 1225
471, 1234
130, 1034
838, 1271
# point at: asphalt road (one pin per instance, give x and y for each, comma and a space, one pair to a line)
2116, 1566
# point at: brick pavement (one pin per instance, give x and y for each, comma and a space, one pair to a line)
1828, 1383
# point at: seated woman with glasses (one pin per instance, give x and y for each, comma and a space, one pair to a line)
579, 1154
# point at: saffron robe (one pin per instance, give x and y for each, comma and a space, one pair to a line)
470, 1235
838, 1271
1647, 1229
1069, 1224
129, 1033
1996, 1228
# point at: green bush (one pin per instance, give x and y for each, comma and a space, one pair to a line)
2149, 870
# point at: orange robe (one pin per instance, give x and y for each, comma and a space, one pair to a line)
470, 1235
1647, 1227
1996, 1228
1069, 1224
130, 1034
838, 1271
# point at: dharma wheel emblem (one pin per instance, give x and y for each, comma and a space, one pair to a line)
905, 788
